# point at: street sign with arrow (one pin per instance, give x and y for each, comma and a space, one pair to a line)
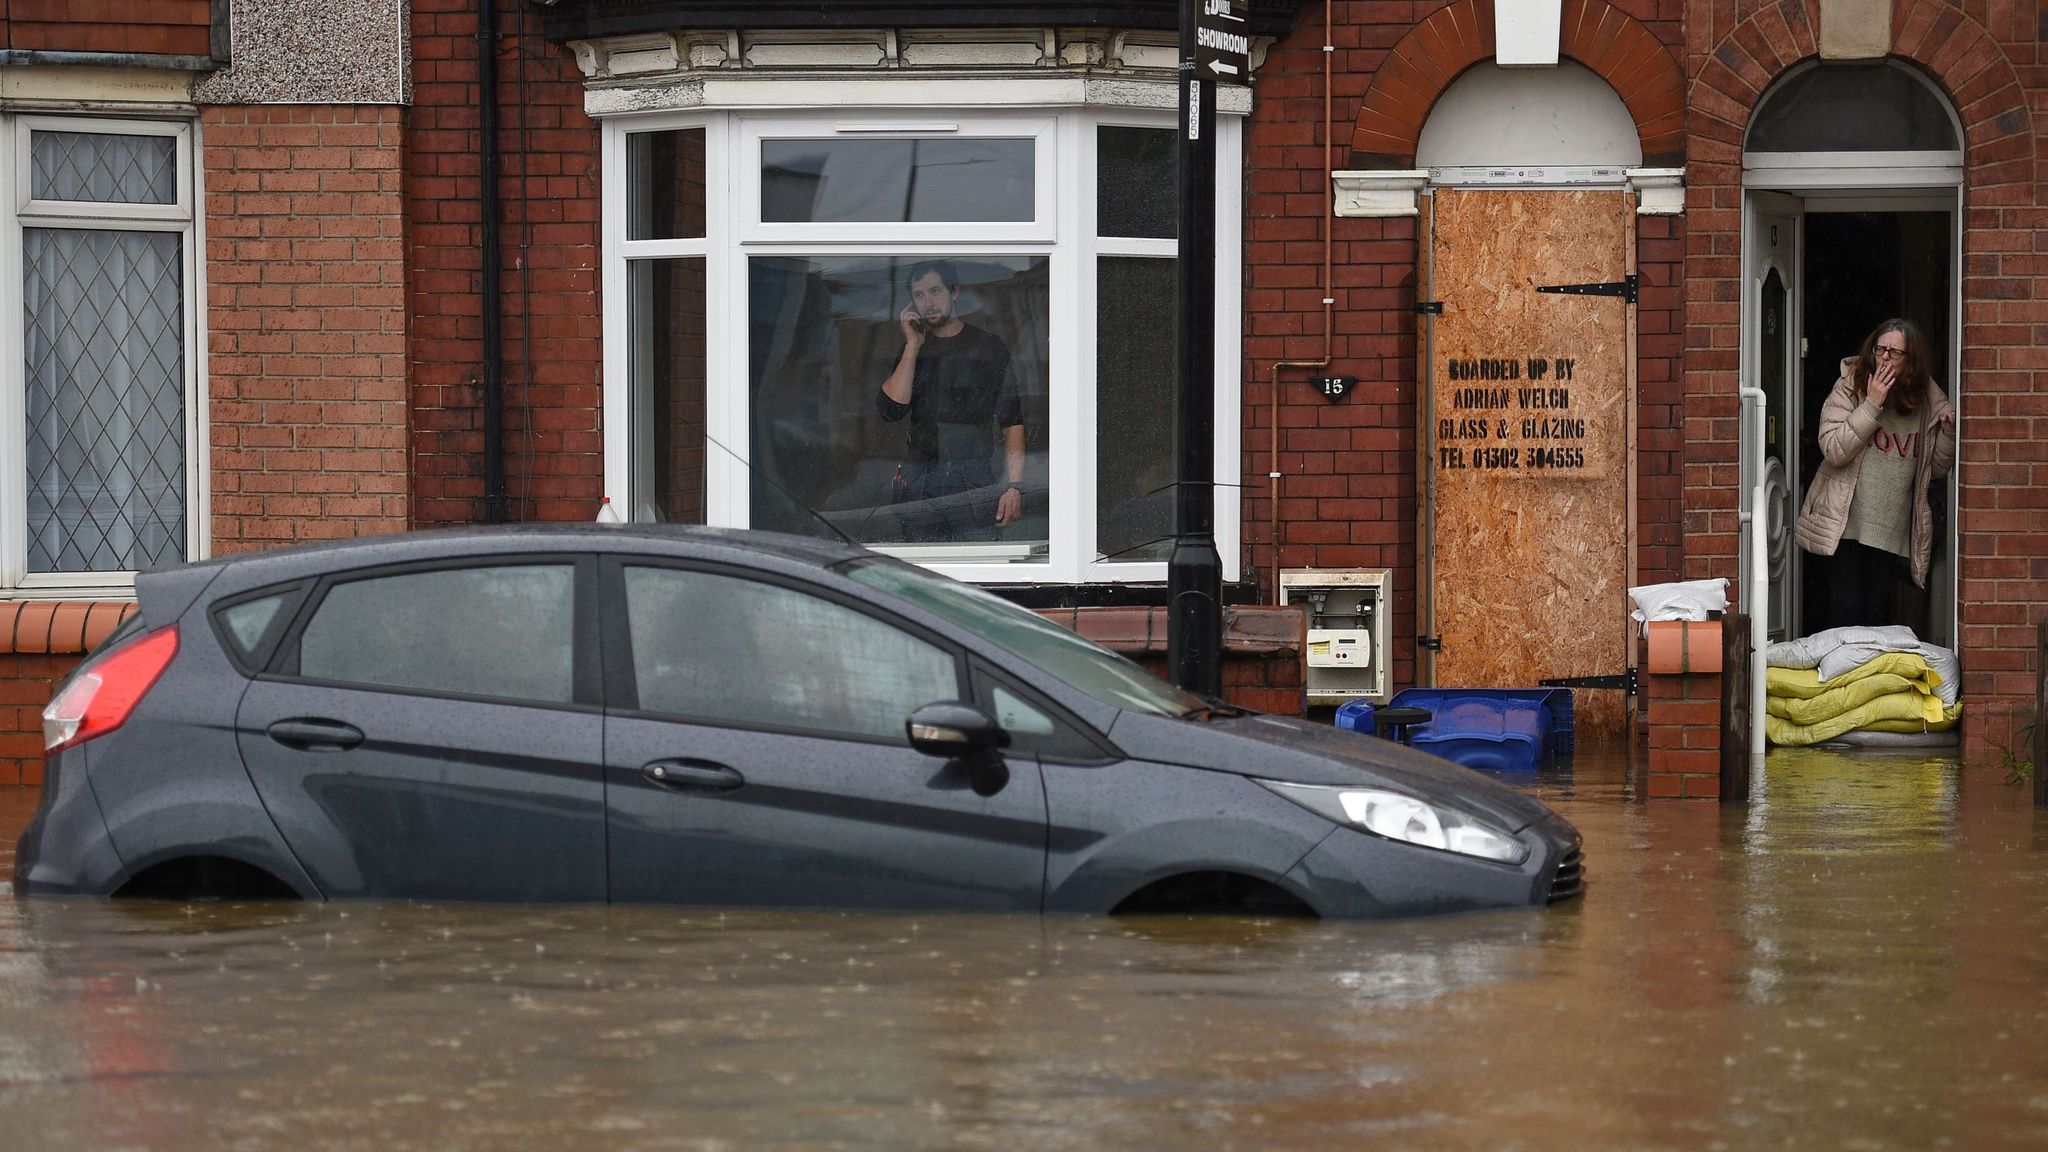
1223, 42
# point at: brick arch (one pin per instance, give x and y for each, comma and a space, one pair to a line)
1957, 51
1613, 44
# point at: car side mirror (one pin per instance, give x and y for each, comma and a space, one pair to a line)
964, 735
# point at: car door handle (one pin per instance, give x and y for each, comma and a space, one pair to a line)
316, 735
693, 775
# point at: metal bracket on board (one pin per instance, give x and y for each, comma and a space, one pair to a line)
1624, 288
1429, 307
1433, 643
1625, 681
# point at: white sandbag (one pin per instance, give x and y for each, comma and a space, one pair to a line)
1680, 600
1809, 651
1855, 655
1860, 738
1946, 666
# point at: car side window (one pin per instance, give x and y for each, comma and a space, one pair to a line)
723, 648
250, 626
1034, 726
505, 630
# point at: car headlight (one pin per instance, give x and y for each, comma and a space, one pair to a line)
1399, 817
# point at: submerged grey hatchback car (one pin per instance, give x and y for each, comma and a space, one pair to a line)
668, 715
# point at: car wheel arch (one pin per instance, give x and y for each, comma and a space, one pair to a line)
211, 869
1228, 890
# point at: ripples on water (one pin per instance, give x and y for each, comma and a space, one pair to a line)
1858, 960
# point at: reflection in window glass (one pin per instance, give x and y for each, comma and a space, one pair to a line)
1134, 406
503, 631
901, 401
1852, 108
721, 648
897, 181
665, 185
668, 389
1136, 193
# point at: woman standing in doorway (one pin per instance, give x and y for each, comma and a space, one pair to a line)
1886, 432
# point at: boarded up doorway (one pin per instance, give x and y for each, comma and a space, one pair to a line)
1526, 445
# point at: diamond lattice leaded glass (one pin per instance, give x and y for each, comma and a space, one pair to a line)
103, 167
105, 358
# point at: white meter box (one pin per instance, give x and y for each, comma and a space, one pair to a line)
1348, 631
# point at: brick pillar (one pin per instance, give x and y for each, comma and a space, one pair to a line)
305, 322
1685, 685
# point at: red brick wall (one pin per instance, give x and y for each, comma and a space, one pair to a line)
26, 684
1989, 59
1348, 497
171, 27
40, 643
306, 322
552, 311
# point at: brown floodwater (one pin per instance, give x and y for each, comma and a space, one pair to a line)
1859, 960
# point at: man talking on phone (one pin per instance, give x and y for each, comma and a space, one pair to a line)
953, 381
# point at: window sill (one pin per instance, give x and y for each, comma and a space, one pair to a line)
59, 627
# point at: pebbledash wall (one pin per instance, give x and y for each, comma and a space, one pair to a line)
293, 306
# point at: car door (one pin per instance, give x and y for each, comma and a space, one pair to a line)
434, 732
755, 753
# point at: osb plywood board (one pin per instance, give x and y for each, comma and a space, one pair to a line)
1529, 396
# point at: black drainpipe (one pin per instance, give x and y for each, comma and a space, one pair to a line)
494, 357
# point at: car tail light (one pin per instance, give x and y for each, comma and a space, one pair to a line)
99, 699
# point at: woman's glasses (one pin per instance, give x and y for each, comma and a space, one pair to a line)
1890, 353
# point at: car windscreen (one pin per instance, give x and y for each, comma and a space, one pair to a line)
1100, 673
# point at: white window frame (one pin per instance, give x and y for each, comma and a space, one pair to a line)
1063, 233
1041, 229
181, 218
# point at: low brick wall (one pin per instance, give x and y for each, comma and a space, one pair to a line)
1265, 648
40, 643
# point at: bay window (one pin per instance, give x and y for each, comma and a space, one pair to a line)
950, 337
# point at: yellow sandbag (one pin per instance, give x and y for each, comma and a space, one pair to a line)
1841, 698
1950, 716
1805, 683
1895, 712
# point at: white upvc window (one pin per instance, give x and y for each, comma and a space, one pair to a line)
758, 269
102, 454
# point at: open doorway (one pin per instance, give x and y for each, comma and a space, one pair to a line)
1860, 268
1852, 176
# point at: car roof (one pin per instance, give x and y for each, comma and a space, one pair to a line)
182, 582
429, 542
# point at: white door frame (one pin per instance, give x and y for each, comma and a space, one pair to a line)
1858, 182
1761, 209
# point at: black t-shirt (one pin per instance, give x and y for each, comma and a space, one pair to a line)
961, 393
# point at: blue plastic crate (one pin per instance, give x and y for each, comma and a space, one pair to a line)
1500, 729
1355, 716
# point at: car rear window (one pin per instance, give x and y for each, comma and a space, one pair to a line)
503, 631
